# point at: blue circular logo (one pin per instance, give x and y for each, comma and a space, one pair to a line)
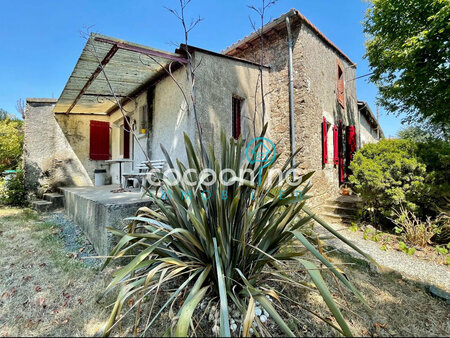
261, 150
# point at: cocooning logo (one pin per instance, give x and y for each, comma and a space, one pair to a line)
260, 151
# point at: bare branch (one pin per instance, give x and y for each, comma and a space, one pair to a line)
190, 69
20, 107
261, 11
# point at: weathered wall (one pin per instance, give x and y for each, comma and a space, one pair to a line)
76, 129
171, 118
218, 79
49, 159
368, 133
315, 86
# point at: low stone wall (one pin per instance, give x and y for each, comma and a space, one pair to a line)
95, 209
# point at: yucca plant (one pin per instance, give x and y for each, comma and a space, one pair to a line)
221, 249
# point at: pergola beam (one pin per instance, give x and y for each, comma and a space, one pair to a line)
141, 50
94, 75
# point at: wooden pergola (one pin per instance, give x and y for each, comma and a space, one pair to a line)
129, 67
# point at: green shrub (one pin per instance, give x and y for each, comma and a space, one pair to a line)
413, 230
224, 249
12, 192
387, 174
11, 142
435, 154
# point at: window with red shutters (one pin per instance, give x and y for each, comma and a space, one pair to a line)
99, 140
340, 85
236, 117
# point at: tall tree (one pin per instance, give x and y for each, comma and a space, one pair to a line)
11, 140
408, 49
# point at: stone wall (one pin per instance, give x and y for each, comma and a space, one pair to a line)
49, 159
315, 87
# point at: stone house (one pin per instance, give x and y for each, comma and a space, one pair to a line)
310, 102
324, 92
67, 139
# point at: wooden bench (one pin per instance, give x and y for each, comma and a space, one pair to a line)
141, 171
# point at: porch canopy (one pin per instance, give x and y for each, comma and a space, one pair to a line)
129, 67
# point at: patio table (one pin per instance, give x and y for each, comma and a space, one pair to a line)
120, 161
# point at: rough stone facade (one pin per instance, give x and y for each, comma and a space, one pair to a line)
315, 96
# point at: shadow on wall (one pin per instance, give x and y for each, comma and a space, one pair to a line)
49, 158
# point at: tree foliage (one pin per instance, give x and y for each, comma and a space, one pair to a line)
11, 141
409, 52
394, 174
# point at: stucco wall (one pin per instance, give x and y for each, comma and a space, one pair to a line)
49, 159
171, 118
368, 133
315, 86
218, 79
76, 129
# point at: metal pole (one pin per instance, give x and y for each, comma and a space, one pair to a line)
291, 91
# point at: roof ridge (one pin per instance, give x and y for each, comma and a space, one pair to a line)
281, 18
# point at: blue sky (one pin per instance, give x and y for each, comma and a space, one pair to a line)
41, 42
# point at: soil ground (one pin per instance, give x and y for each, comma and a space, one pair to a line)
47, 288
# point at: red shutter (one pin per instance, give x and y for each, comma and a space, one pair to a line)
236, 117
99, 140
335, 146
324, 141
351, 143
341, 151
340, 86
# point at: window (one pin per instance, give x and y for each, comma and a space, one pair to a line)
236, 117
126, 137
143, 119
340, 85
99, 140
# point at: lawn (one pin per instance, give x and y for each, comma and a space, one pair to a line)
46, 290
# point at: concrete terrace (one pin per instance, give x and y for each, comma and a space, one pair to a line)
96, 208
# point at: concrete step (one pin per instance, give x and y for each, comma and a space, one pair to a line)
331, 217
346, 204
340, 210
56, 198
42, 206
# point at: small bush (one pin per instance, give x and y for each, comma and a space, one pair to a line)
387, 175
403, 172
13, 192
414, 231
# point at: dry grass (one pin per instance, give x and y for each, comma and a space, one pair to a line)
399, 307
43, 292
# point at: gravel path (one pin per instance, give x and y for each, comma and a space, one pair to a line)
73, 237
408, 266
